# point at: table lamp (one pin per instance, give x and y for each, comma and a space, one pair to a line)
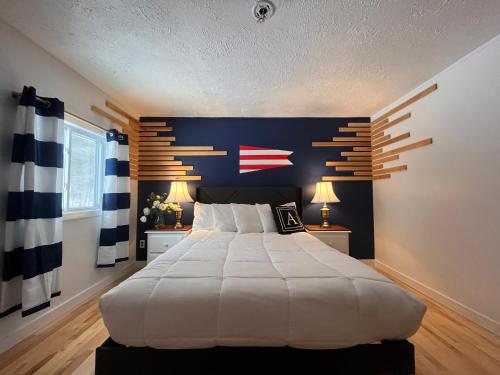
325, 194
179, 194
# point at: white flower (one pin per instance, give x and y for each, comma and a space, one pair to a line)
143, 219
146, 211
163, 206
158, 197
156, 203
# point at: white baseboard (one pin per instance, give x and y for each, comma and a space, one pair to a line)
35, 324
466, 311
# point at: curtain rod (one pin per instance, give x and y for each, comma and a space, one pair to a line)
16, 95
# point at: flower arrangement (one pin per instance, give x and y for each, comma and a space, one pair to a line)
157, 207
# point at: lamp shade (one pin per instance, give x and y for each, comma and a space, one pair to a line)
325, 193
179, 193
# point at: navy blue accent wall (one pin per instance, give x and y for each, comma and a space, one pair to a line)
355, 210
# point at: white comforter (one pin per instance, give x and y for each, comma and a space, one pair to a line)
258, 289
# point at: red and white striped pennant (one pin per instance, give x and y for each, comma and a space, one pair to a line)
253, 159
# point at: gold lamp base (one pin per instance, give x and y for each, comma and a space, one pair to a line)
178, 219
325, 214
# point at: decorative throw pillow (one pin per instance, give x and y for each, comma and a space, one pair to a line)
203, 216
266, 218
223, 218
287, 220
247, 218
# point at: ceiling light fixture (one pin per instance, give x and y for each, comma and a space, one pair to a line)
263, 10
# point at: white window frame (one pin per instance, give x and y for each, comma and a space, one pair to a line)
74, 125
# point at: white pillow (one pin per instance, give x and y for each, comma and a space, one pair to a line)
203, 216
246, 218
223, 218
266, 218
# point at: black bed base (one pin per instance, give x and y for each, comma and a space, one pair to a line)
389, 357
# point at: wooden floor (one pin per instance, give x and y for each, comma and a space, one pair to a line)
445, 344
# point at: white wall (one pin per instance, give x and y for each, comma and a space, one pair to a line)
438, 224
24, 63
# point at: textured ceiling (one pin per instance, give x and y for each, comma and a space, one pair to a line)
210, 58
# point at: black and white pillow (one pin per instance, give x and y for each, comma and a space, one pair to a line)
287, 220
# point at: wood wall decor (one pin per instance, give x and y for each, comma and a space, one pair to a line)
368, 154
152, 151
130, 127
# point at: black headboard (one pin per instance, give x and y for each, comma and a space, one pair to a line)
275, 196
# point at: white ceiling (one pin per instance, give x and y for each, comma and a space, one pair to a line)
210, 58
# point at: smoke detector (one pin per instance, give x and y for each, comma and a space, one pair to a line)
263, 10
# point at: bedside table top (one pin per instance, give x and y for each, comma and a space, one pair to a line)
170, 229
331, 228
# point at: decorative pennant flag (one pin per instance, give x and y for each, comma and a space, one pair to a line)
253, 159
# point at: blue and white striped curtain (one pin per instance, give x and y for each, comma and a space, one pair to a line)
113, 241
32, 255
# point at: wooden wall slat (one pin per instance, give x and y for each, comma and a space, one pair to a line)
399, 150
362, 173
381, 177
156, 139
379, 145
162, 173
153, 157
388, 159
152, 123
353, 130
352, 139
381, 139
391, 124
161, 162
177, 148
369, 168
378, 136
181, 153
349, 153
359, 158
144, 129
406, 103
109, 116
165, 167
147, 134
359, 125
398, 168
339, 144
346, 178
363, 134
347, 163
169, 178
361, 148
120, 111
152, 143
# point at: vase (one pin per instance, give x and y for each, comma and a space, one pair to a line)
159, 221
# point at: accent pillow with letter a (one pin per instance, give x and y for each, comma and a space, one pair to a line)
287, 220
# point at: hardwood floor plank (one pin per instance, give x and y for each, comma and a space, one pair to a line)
446, 343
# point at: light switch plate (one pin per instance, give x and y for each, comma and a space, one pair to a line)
142, 244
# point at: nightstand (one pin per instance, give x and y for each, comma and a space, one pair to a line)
160, 240
335, 236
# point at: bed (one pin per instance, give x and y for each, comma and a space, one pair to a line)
218, 297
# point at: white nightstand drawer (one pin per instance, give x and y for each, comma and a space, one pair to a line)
160, 244
162, 240
335, 236
338, 241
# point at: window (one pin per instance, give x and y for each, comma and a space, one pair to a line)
83, 168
